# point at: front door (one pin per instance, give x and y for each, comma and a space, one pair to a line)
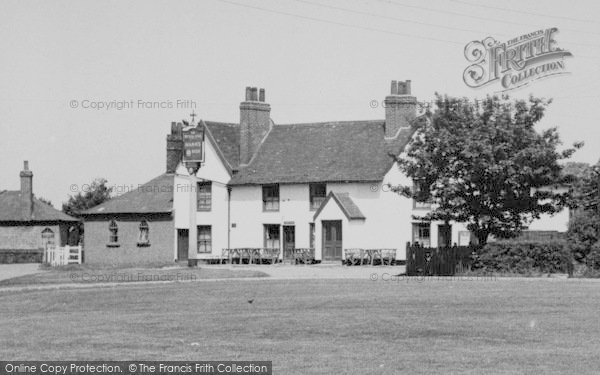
444, 235
182, 244
289, 241
332, 239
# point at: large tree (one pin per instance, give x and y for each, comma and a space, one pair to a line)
90, 195
483, 163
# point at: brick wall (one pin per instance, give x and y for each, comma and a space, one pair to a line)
161, 237
27, 237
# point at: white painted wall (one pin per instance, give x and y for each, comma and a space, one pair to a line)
559, 222
249, 218
388, 224
212, 170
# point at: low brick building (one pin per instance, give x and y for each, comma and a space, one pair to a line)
133, 228
28, 225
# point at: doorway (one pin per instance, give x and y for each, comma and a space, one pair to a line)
444, 235
289, 241
182, 244
332, 239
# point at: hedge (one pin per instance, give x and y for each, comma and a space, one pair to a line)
524, 257
21, 256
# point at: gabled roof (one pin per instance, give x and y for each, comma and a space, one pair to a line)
226, 136
12, 209
346, 204
155, 196
323, 152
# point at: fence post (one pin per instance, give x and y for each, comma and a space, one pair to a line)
409, 259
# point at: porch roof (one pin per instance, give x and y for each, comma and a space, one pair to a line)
346, 204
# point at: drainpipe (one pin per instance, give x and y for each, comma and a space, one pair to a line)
228, 216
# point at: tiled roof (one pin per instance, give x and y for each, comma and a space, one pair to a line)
227, 138
11, 209
347, 205
155, 196
323, 152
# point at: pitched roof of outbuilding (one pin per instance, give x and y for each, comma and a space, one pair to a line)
12, 209
346, 204
155, 196
323, 152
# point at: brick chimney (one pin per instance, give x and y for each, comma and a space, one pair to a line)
255, 123
174, 147
400, 108
26, 190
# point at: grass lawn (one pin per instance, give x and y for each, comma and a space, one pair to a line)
86, 274
525, 326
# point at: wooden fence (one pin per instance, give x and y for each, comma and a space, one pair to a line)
437, 261
60, 256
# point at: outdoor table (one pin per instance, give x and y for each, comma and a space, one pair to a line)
372, 254
303, 255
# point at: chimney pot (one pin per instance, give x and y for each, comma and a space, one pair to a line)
407, 85
261, 95
394, 89
248, 93
401, 88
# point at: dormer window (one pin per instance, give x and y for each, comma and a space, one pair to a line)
270, 195
144, 235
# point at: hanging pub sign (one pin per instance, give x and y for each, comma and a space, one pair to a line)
193, 145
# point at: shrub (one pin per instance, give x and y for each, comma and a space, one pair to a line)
21, 256
524, 257
593, 257
582, 233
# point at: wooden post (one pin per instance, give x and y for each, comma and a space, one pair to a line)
193, 207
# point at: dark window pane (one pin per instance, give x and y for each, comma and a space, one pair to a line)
204, 196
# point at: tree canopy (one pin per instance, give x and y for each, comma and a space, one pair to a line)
92, 195
483, 163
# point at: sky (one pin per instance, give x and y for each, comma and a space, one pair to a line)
318, 60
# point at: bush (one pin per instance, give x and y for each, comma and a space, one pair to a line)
21, 256
582, 233
524, 257
593, 258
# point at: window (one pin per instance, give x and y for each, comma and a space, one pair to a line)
311, 229
318, 192
204, 239
113, 238
272, 236
270, 197
204, 196
418, 190
48, 238
422, 234
144, 236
